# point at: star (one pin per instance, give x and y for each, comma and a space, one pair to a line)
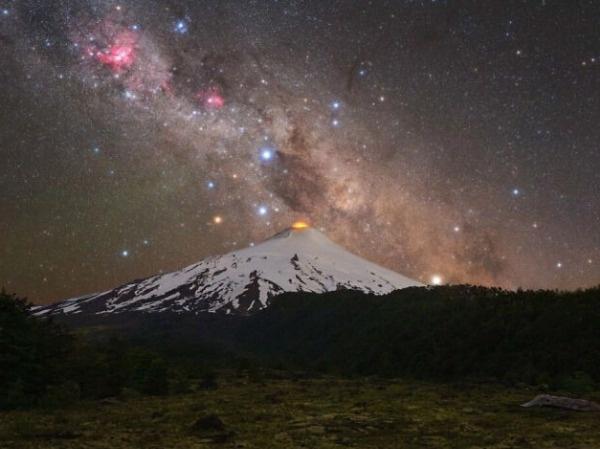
436, 279
266, 154
181, 27
129, 95
164, 114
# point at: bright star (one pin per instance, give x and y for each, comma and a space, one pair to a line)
266, 154
125, 253
436, 279
262, 211
335, 105
181, 27
210, 184
217, 219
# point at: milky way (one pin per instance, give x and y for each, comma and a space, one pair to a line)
450, 141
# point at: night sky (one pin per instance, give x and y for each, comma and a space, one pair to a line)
453, 141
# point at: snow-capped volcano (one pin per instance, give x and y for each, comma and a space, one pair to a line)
298, 259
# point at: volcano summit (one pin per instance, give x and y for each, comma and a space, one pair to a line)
298, 259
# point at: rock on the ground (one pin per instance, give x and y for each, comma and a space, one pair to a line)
547, 400
209, 423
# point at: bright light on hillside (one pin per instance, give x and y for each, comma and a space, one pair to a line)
436, 279
300, 225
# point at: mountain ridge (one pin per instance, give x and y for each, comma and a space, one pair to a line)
297, 259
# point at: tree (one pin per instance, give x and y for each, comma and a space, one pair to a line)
33, 353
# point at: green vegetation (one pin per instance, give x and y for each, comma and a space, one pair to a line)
280, 410
44, 364
446, 333
32, 353
539, 338
439, 368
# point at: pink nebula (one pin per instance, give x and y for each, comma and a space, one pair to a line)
120, 55
211, 98
117, 57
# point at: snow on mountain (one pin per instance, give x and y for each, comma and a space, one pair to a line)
298, 259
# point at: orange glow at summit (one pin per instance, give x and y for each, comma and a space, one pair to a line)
300, 225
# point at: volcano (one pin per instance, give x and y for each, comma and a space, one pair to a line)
298, 259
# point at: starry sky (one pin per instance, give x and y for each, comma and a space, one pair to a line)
453, 141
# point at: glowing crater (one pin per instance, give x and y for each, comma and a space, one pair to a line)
300, 225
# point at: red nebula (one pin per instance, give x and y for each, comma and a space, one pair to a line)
117, 57
120, 54
166, 87
215, 101
211, 98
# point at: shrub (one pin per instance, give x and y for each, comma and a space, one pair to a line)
62, 395
578, 382
208, 381
35, 353
179, 382
152, 377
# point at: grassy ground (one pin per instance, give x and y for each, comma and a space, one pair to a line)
309, 413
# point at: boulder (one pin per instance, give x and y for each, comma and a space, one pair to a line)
209, 423
211, 429
547, 400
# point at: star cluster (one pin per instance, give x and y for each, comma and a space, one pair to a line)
452, 142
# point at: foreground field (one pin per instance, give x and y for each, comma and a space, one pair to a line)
310, 413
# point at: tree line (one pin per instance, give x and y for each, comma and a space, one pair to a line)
449, 333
